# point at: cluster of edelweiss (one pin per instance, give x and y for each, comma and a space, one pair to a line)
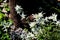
39, 19
35, 26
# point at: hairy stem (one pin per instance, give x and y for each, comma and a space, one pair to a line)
13, 15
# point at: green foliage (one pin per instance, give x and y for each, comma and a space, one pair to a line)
49, 32
3, 35
3, 31
4, 25
1, 15
7, 9
1, 0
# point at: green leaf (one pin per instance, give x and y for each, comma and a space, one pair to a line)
7, 9
1, 15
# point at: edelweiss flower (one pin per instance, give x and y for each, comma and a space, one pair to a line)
30, 35
42, 21
35, 16
33, 29
4, 10
22, 35
32, 24
36, 32
5, 0
58, 23
53, 17
46, 19
40, 15
23, 16
18, 9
